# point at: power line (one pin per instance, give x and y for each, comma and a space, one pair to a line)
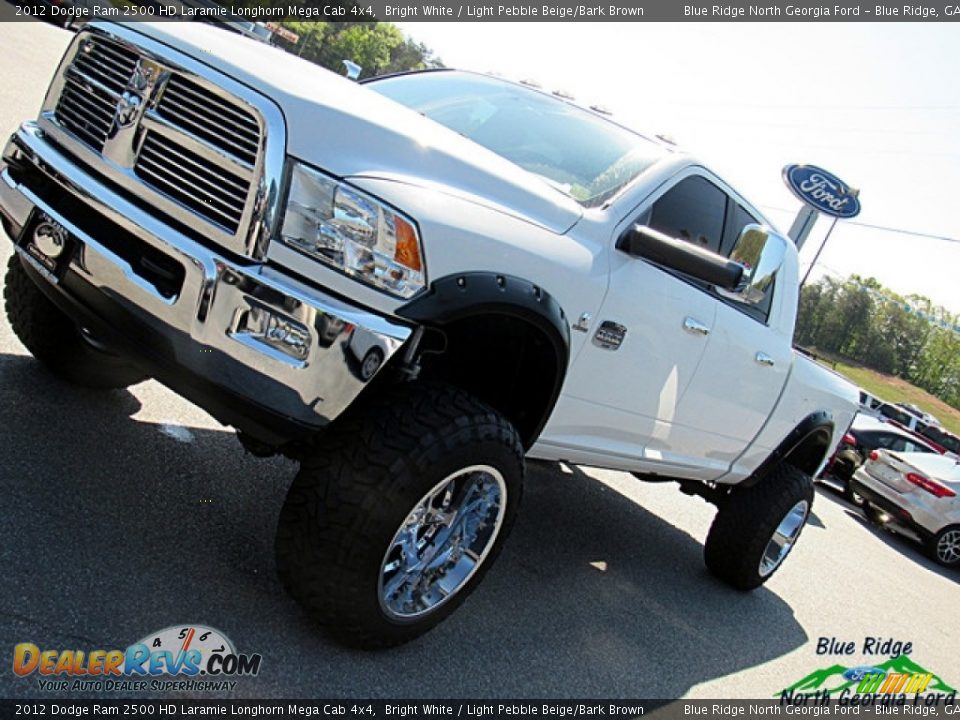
885, 228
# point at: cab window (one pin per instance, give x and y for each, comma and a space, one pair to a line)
699, 212
693, 210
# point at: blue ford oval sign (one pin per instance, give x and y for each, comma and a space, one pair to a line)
824, 191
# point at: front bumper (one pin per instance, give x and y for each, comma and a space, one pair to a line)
252, 345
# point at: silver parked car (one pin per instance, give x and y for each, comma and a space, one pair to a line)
917, 492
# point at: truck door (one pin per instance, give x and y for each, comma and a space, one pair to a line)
627, 387
741, 376
676, 378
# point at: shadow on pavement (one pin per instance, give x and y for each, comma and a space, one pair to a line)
116, 527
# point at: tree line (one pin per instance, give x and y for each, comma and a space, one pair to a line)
378, 47
906, 336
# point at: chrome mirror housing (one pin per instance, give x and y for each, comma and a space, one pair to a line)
761, 252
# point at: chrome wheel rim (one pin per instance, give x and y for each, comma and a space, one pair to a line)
948, 547
442, 542
783, 538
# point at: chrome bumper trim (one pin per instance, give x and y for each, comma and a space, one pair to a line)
211, 310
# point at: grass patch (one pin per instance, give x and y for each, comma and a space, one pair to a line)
894, 390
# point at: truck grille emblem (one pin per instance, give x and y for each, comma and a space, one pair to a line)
127, 107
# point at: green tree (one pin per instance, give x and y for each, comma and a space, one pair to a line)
367, 44
378, 48
311, 34
905, 336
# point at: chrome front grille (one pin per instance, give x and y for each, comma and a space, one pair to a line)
184, 140
192, 180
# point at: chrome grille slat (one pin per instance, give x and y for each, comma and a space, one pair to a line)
187, 140
74, 86
85, 111
112, 73
247, 144
190, 168
203, 131
201, 185
78, 77
113, 66
179, 88
78, 125
206, 120
116, 54
173, 190
103, 113
162, 165
78, 110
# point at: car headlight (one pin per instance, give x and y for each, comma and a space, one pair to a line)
353, 232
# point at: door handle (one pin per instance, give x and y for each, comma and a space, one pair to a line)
763, 359
695, 327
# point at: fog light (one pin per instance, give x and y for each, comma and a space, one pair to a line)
259, 325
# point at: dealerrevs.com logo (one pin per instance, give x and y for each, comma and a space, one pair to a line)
180, 657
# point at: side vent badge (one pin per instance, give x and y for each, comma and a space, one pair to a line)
609, 335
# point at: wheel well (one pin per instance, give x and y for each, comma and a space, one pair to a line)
811, 450
504, 361
805, 447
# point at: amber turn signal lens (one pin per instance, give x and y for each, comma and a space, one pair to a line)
408, 248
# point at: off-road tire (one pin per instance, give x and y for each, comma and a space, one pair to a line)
54, 339
745, 522
360, 482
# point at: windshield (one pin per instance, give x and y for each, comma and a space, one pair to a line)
583, 155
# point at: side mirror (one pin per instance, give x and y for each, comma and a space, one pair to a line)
760, 252
682, 256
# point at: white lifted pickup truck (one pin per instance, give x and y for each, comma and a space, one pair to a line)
411, 285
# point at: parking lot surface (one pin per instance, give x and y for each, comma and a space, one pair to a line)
127, 512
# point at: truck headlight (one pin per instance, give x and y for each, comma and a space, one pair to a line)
353, 232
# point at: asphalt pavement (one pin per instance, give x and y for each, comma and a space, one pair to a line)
126, 512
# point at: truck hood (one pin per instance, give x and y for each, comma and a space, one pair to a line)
351, 131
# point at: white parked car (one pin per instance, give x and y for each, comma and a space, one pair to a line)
916, 492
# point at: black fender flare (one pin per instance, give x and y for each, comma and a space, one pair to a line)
464, 295
813, 426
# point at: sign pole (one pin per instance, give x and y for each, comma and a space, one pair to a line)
817, 256
803, 224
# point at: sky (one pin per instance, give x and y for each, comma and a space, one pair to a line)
877, 104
